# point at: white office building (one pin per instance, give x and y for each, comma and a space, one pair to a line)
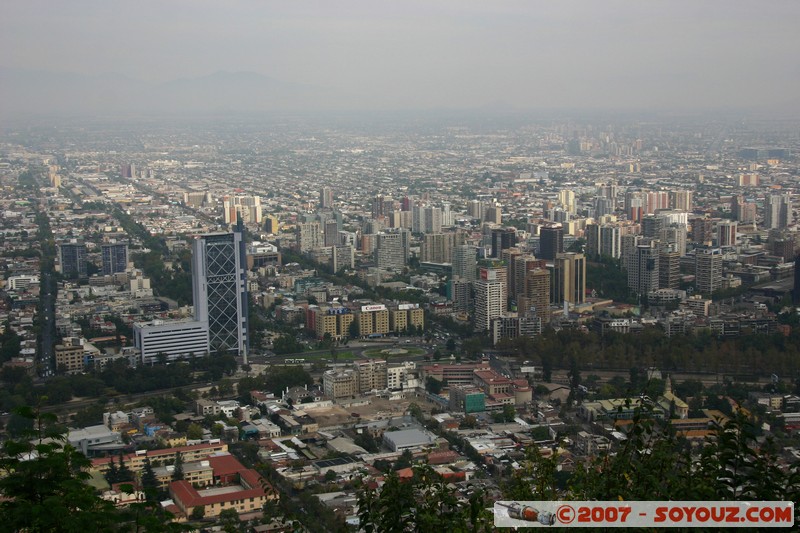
174, 339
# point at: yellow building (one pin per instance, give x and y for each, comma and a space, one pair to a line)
416, 317
399, 320
373, 320
271, 224
326, 324
135, 461
406, 315
70, 356
199, 474
334, 321
344, 324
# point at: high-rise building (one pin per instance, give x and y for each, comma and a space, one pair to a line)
603, 206
72, 258
437, 248
783, 248
509, 257
271, 224
702, 230
744, 211
669, 263
643, 268
342, 256
551, 241
433, 220
777, 211
246, 208
655, 201
447, 215
628, 244
569, 278
681, 200
610, 241
537, 294
751, 179
503, 239
608, 190
603, 240
331, 232
592, 235
54, 178
675, 237
558, 214
635, 203
382, 206
195, 199
371, 374
652, 226
489, 299
373, 320
400, 219
494, 215
326, 198
115, 258
475, 209
726, 233
219, 283
459, 291
426, 219
418, 218
567, 200
465, 262
708, 270
392, 249
309, 236
372, 226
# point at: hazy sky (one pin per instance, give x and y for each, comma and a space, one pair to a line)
432, 53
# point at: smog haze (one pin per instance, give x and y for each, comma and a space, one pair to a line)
91, 56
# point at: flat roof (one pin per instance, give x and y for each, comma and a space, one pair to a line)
338, 461
408, 437
216, 491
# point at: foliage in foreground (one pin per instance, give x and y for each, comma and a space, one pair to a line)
44, 481
656, 464
424, 503
653, 464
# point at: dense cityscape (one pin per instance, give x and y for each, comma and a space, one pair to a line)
399, 267
269, 324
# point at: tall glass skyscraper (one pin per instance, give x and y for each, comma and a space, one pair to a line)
219, 280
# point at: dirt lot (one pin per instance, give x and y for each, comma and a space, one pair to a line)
378, 407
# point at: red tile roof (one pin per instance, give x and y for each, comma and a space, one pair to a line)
190, 497
490, 376
441, 458
224, 465
405, 473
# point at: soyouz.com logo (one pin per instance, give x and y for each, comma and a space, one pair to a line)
643, 514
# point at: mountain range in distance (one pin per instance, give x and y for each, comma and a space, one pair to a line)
26, 93
38, 92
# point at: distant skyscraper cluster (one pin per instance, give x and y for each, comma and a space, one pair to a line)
244, 208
